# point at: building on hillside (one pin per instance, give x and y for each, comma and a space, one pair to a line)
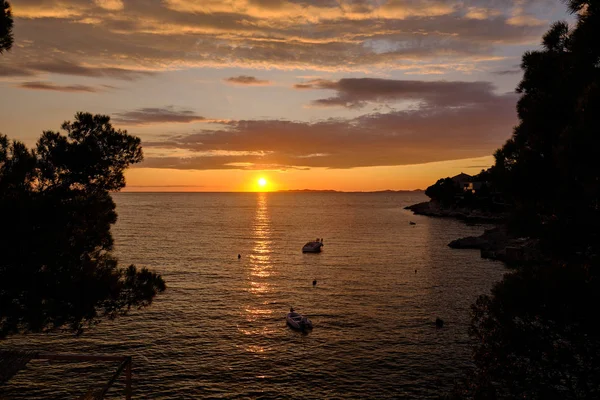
473, 187
466, 183
461, 179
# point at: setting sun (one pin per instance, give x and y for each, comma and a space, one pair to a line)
262, 182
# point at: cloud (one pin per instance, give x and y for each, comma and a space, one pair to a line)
525, 20
33, 9
246, 80
62, 67
9, 71
112, 5
58, 88
482, 13
299, 34
315, 11
71, 68
165, 186
514, 71
146, 116
522, 16
357, 92
443, 127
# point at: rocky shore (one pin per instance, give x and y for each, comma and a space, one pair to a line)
498, 244
432, 209
494, 244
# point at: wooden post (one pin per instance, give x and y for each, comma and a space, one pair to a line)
128, 380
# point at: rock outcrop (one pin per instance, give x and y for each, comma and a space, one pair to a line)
433, 209
495, 243
498, 244
491, 239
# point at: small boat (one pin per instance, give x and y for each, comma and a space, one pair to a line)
313, 247
412, 223
298, 321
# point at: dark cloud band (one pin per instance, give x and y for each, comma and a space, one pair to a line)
354, 93
246, 80
152, 115
59, 88
443, 127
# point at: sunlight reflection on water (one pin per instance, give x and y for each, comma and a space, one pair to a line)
260, 258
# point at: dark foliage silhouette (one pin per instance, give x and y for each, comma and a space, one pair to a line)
444, 191
56, 268
451, 194
537, 336
6, 24
548, 167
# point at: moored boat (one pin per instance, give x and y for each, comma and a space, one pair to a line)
298, 321
313, 247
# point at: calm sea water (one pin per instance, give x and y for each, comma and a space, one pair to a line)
219, 329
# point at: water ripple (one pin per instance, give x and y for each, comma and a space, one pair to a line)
219, 330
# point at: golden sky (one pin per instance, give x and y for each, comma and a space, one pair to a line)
355, 95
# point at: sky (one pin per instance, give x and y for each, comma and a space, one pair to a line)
350, 95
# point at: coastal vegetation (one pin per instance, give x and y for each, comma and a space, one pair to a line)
56, 269
6, 24
537, 335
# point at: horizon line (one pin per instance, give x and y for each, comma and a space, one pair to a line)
285, 191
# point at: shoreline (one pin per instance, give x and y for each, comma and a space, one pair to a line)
495, 243
431, 209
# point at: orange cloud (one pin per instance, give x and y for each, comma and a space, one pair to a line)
315, 11
112, 5
482, 13
521, 17
56, 9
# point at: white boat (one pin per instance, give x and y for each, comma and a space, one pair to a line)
313, 247
298, 321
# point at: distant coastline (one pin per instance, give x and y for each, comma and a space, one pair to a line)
341, 191
276, 191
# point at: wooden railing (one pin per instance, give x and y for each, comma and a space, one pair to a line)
125, 364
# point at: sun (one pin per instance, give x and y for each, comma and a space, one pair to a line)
261, 184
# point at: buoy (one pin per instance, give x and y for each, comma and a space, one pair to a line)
415, 271
439, 322
239, 256
315, 282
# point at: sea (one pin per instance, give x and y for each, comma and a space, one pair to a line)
219, 329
